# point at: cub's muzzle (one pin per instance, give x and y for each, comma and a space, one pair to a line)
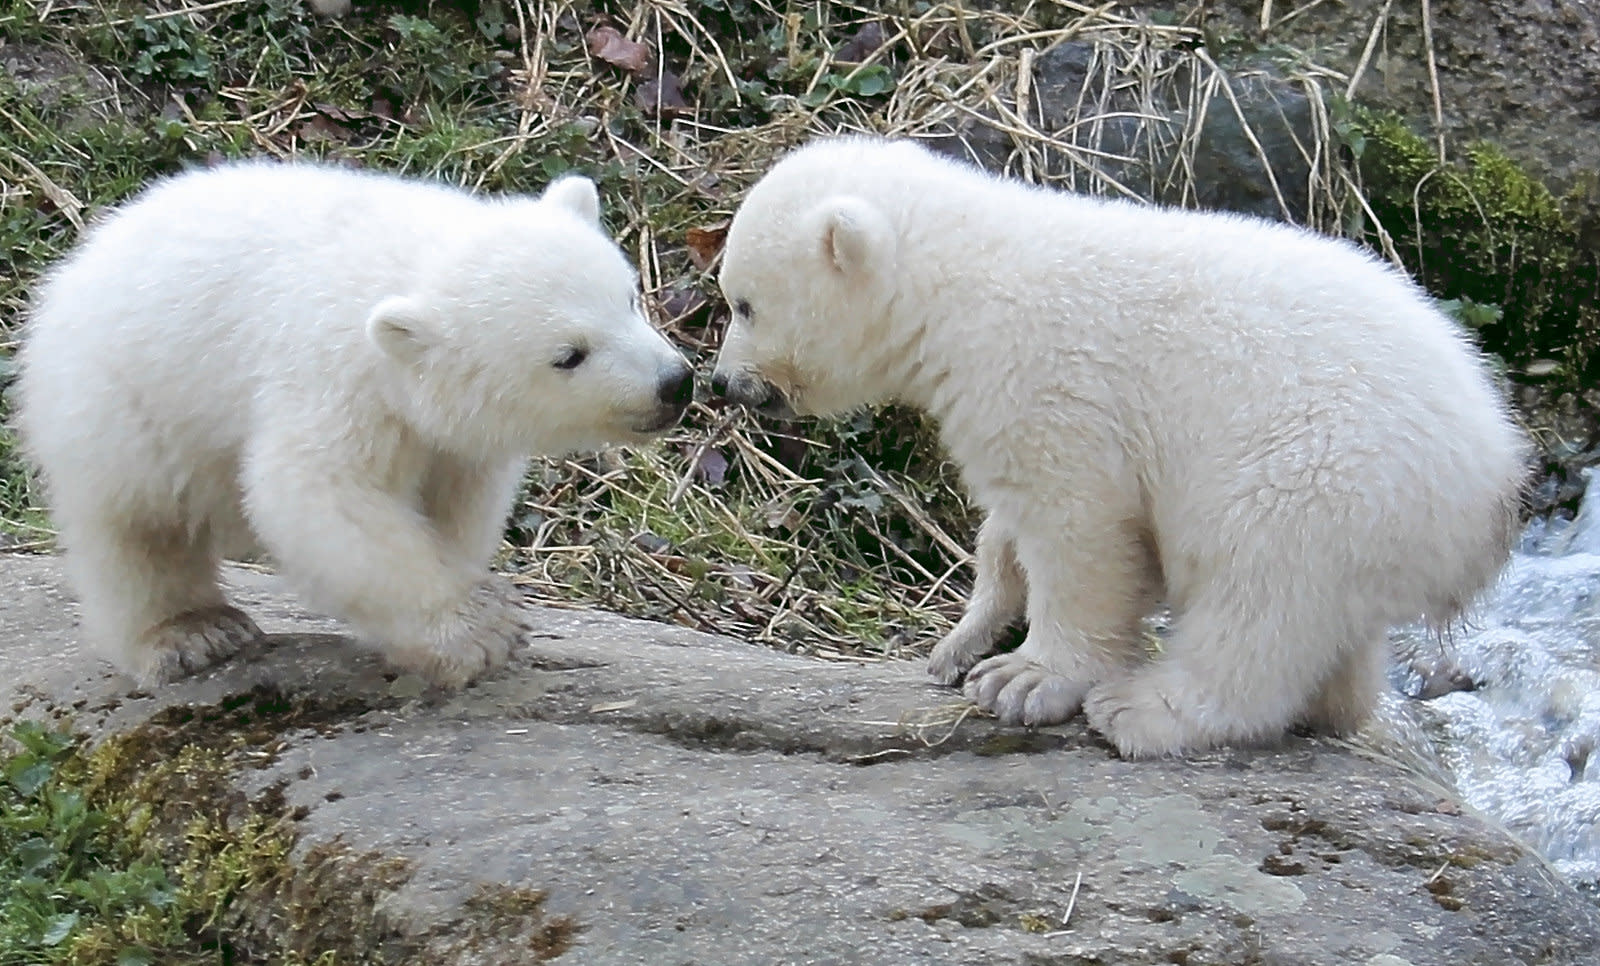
751, 391
674, 393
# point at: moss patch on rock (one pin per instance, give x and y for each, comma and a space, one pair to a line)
1481, 230
143, 849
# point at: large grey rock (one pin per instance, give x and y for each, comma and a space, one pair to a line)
1159, 120
51, 79
1524, 74
1178, 132
687, 799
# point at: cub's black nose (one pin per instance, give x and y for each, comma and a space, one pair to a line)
719, 383
677, 389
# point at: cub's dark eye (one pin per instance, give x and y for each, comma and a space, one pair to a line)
572, 358
742, 308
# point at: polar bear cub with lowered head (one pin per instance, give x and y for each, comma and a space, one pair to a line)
347, 370
1269, 429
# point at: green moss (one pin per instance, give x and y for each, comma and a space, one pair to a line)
86, 881
143, 850
22, 521
165, 861
512, 918
1482, 230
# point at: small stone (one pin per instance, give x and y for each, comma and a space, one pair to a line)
1439, 677
407, 686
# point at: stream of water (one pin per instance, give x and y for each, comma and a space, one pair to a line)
1523, 743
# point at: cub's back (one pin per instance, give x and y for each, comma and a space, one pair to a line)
257, 238
177, 307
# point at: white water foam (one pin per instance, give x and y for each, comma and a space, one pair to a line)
1524, 746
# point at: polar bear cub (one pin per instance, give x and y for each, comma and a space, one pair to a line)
1268, 429
347, 370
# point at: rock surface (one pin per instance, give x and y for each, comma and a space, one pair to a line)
1524, 74
50, 78
1147, 116
1170, 134
686, 799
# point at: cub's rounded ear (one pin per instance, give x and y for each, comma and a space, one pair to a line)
578, 195
856, 237
401, 327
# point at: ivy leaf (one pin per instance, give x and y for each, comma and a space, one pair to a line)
34, 856
870, 81
60, 928
683, 302
1472, 314
862, 45
30, 779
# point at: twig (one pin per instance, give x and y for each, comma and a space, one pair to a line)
1378, 25
180, 12
1250, 134
1437, 873
65, 201
1072, 903
1433, 75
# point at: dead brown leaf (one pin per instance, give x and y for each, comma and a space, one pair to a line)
608, 44
705, 244
711, 468
940, 39
661, 96
862, 45
320, 127
338, 113
783, 515
680, 302
791, 451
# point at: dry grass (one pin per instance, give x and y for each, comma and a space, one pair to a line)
764, 556
845, 541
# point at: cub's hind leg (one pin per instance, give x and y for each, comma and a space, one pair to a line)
1350, 692
150, 598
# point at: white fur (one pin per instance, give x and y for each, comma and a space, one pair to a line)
348, 370
1268, 428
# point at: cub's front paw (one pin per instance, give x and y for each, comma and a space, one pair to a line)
953, 657
189, 642
1018, 691
477, 637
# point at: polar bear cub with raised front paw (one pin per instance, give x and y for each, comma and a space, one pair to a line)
347, 370
1269, 429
